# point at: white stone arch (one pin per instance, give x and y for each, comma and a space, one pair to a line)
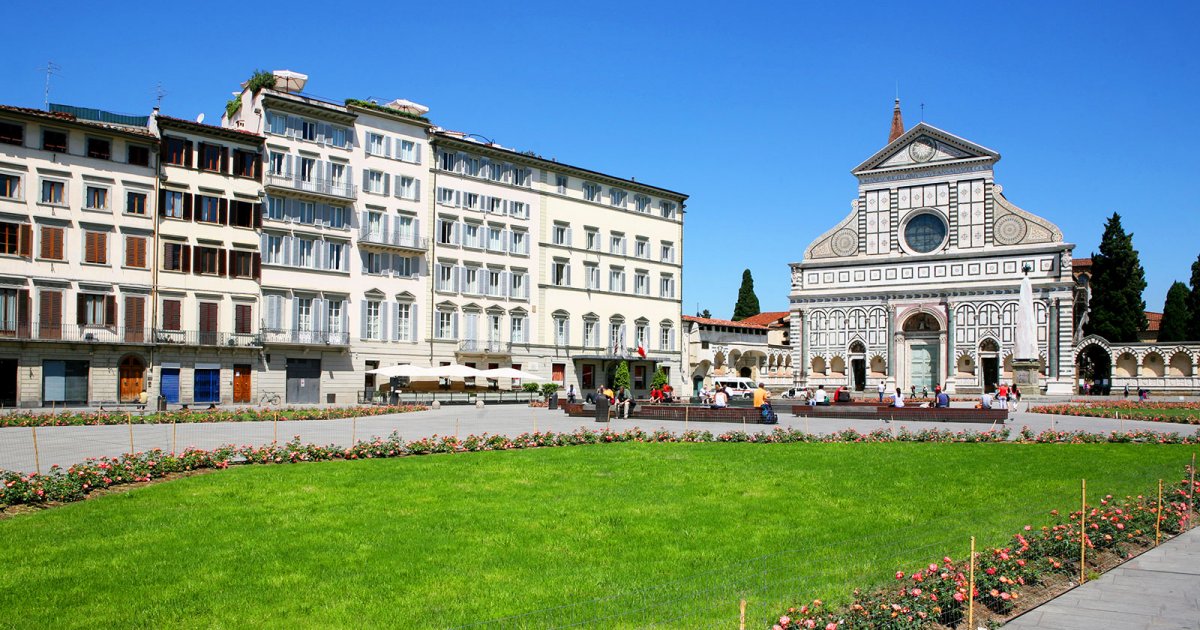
1089, 341
1125, 363
1153, 363
1180, 363
936, 313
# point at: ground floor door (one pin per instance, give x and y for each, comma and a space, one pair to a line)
697, 385
207, 385
991, 373
859, 368
241, 383
169, 385
8, 382
923, 362
132, 377
304, 381
65, 382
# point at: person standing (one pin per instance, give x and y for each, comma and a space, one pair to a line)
882, 389
1002, 397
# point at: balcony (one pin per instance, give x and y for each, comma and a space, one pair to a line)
314, 185
477, 346
206, 338
294, 337
374, 235
74, 333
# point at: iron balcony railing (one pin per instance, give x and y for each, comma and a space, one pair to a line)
393, 238
285, 336
485, 346
207, 338
316, 185
75, 333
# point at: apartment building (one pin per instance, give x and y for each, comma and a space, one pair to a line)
551, 268
77, 219
207, 263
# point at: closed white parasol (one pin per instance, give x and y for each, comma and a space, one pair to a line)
511, 373
393, 371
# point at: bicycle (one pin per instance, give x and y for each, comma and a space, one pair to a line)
269, 398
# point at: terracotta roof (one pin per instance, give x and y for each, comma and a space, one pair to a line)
770, 319
1153, 321
207, 128
1081, 263
722, 322
897, 123
65, 117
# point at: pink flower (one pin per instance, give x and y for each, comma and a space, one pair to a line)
785, 620
899, 575
831, 626
933, 568
958, 597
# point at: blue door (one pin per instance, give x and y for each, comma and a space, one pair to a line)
170, 385
208, 386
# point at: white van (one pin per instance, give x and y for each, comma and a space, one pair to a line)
738, 387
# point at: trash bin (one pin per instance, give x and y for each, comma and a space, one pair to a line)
162, 403
601, 409
554, 401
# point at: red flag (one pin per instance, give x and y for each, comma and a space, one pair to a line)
641, 350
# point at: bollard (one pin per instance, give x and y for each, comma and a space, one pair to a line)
971, 589
534, 424
1083, 532
686, 412
1158, 516
37, 460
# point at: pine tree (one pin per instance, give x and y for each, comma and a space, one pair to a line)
705, 314
1117, 310
747, 302
621, 377
1176, 316
1193, 329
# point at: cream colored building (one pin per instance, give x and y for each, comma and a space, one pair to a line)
756, 347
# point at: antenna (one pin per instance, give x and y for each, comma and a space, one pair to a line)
159, 92
51, 69
922, 112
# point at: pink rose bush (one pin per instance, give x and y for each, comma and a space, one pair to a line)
70, 418
1129, 409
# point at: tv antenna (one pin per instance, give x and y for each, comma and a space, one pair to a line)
51, 69
922, 112
159, 93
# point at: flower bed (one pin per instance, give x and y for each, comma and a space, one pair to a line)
1179, 412
186, 415
75, 482
938, 593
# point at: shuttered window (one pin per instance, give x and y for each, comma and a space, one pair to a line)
50, 315
242, 319
135, 318
208, 323
135, 251
176, 257
95, 248
171, 314
16, 239
52, 243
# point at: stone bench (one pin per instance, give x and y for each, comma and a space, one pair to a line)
680, 413
900, 414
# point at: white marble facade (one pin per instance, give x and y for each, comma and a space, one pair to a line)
918, 284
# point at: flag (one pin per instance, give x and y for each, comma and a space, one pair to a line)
641, 350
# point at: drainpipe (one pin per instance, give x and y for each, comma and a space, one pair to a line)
433, 161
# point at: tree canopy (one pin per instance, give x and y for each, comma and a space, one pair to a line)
1193, 329
1118, 312
747, 301
1176, 317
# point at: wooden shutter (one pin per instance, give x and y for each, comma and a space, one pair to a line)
131, 258
187, 153
187, 206
257, 263
208, 317
102, 247
162, 203
223, 211
256, 212
186, 258
222, 268
50, 315
89, 247
110, 311
80, 309
48, 242
22, 312
25, 240
257, 171
135, 318
224, 160
241, 319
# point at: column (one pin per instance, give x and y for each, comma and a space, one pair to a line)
944, 346
803, 346
951, 363
1052, 341
891, 350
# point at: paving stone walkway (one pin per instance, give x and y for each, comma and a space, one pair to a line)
1158, 590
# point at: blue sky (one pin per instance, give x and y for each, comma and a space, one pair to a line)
757, 110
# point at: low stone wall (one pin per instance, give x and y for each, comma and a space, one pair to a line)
915, 414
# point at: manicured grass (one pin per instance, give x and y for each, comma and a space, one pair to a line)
455, 539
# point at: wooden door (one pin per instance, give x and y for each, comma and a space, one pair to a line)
241, 383
132, 377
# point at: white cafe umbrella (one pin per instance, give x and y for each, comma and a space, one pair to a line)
511, 373
454, 370
289, 81
392, 371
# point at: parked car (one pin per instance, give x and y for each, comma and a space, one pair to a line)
738, 387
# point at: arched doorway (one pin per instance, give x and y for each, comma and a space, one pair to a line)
744, 372
989, 364
922, 348
858, 365
1094, 366
132, 378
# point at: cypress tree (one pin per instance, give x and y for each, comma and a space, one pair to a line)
1118, 312
1176, 316
1193, 329
747, 302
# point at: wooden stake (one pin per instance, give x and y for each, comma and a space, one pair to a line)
971, 589
275, 436
37, 460
129, 419
742, 614
354, 430
173, 436
1158, 516
1192, 491
1083, 532
456, 420
686, 412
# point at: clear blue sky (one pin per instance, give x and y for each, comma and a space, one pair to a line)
757, 111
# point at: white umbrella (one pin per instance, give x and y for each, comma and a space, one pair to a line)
289, 81
454, 370
392, 371
511, 373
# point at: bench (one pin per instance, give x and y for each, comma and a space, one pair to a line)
912, 414
116, 405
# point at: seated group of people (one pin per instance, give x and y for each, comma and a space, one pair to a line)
665, 394
940, 399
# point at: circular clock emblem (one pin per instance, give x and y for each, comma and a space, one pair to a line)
922, 150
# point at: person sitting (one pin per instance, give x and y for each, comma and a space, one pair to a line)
761, 396
820, 397
623, 402
668, 393
571, 394
655, 395
720, 398
943, 400
985, 401
898, 401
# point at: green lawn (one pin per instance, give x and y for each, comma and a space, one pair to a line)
456, 539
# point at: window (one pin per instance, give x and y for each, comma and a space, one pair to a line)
518, 283
53, 192
306, 212
308, 170
517, 334
245, 163
212, 157
520, 243
373, 320
93, 309
304, 314
52, 243
494, 205
10, 186
449, 161
667, 209
15, 239
99, 148
137, 155
616, 280
561, 235
337, 252
446, 196
407, 188
447, 232
177, 151
563, 182
276, 164
374, 144
408, 151
445, 325
617, 244
174, 204
12, 305
641, 203
243, 319
96, 198
495, 288
95, 248
273, 252
471, 201
496, 172
642, 336
668, 252
12, 133
276, 123
495, 238
172, 319
135, 203
591, 191
242, 264
616, 197
562, 330
616, 336
241, 213
666, 287
593, 276
593, 240
591, 336
471, 235
176, 257
519, 209
445, 277
641, 283
308, 130
470, 280
375, 182
304, 252
135, 251
642, 248
55, 141
376, 263
404, 330
560, 273
207, 209
208, 260
335, 322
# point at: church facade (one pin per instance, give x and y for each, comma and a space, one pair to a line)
918, 285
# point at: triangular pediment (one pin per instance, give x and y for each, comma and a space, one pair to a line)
925, 146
